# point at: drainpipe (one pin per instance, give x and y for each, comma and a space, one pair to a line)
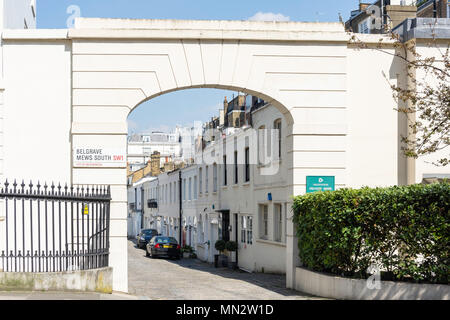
181, 206
142, 208
434, 9
135, 208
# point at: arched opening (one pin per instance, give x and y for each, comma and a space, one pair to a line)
214, 190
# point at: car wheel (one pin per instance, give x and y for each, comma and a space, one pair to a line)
146, 253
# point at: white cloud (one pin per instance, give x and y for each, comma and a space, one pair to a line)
161, 128
269, 16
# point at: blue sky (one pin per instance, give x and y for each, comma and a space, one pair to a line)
185, 107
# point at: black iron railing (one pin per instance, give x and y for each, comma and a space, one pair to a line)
54, 228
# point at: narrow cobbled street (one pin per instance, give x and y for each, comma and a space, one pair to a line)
188, 279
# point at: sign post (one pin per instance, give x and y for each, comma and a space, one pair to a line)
320, 183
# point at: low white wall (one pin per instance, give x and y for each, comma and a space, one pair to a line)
95, 280
356, 289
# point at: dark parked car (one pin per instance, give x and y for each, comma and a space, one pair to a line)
163, 247
144, 237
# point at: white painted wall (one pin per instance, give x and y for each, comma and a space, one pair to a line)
37, 110
168, 203
372, 123
189, 204
137, 203
151, 192
207, 204
243, 198
424, 164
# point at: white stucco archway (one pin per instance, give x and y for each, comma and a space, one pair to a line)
307, 70
299, 68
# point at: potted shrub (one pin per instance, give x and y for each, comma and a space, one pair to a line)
220, 246
187, 251
232, 247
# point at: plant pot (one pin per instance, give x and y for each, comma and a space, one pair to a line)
223, 260
216, 261
186, 255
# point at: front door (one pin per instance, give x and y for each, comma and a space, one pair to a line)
236, 235
213, 238
226, 226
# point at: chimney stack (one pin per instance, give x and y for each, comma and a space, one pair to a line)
155, 163
363, 6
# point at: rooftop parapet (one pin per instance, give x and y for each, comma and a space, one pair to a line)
235, 25
424, 28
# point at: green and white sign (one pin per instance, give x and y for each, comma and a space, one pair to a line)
319, 183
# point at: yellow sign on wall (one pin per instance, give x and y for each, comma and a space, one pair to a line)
86, 209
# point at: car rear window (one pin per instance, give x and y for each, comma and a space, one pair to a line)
148, 232
166, 240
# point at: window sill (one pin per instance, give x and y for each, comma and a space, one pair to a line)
224, 187
235, 185
246, 184
274, 243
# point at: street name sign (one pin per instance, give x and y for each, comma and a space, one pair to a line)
319, 183
99, 157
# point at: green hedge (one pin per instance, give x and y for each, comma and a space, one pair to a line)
346, 231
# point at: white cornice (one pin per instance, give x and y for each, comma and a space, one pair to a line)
35, 34
123, 29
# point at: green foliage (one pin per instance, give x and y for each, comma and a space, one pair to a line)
231, 246
187, 249
220, 245
404, 230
